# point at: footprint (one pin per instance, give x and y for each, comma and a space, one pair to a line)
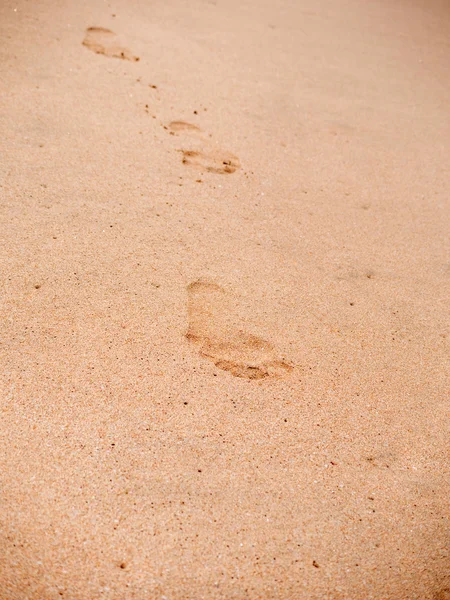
212, 161
202, 155
214, 329
104, 41
179, 126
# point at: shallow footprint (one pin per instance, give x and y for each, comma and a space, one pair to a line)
214, 329
104, 41
183, 126
202, 155
213, 161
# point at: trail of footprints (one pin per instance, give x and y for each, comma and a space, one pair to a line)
198, 152
214, 329
213, 323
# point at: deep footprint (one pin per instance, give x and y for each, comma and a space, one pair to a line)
214, 329
104, 41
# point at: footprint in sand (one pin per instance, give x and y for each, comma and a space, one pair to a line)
201, 155
182, 126
104, 41
214, 329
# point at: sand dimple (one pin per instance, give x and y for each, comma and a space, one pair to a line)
214, 329
104, 41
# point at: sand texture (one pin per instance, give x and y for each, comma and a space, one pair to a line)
225, 291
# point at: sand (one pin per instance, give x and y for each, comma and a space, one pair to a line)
225, 287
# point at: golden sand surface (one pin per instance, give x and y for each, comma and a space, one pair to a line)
225, 274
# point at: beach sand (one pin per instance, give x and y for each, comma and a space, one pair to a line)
225, 287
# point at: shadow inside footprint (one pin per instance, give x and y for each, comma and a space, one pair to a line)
214, 329
104, 41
